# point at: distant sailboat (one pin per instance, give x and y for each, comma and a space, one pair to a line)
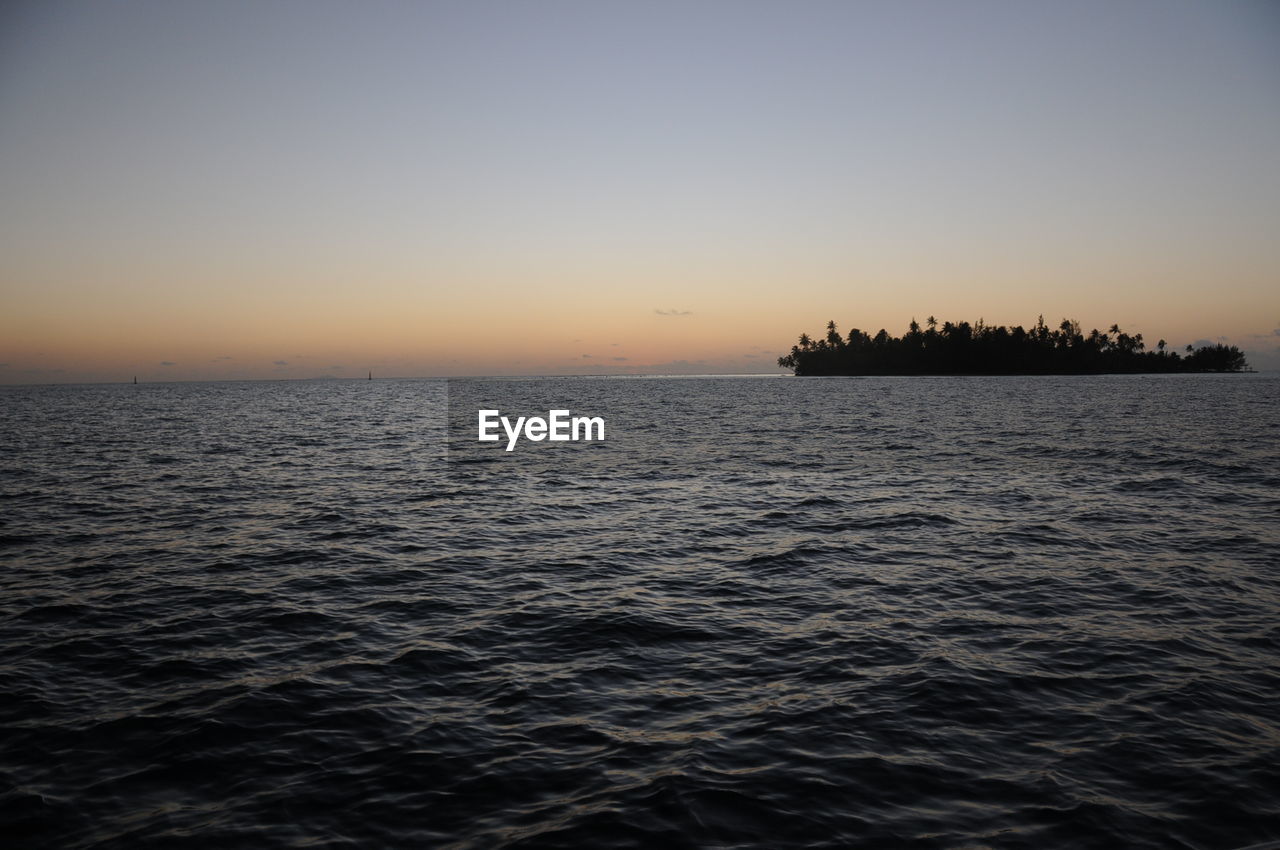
371, 376
135, 379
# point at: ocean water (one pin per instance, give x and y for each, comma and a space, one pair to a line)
763, 612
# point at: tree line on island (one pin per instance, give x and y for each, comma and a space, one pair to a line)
982, 349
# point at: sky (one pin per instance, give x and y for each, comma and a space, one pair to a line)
273, 189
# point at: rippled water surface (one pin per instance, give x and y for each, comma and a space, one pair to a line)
920, 612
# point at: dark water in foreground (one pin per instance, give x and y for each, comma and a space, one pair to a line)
920, 612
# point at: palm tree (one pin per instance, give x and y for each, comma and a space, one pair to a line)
833, 336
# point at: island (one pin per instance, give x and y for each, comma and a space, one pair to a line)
982, 349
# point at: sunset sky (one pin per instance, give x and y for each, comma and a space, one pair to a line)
297, 189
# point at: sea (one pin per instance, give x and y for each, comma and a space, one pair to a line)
921, 612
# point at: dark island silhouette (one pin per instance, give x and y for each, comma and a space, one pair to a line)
982, 349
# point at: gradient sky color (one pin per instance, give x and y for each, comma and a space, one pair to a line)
297, 189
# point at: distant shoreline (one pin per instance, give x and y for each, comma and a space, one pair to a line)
982, 349
654, 376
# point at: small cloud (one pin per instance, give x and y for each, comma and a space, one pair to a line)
615, 345
674, 312
620, 359
223, 357
167, 363
281, 362
1276, 332
586, 357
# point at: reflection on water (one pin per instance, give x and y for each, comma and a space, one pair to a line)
928, 612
